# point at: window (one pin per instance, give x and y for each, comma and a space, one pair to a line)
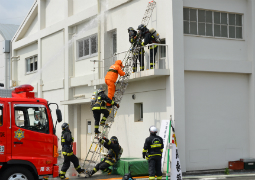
31, 64
31, 117
87, 47
89, 127
1, 115
138, 112
212, 23
114, 45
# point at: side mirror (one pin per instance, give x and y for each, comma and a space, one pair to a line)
59, 115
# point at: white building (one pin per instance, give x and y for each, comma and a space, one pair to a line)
204, 77
7, 32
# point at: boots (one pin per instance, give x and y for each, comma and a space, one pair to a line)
96, 131
92, 172
62, 176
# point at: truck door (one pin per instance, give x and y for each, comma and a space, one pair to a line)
31, 138
3, 127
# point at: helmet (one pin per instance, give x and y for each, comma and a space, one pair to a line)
100, 90
141, 27
130, 29
65, 126
153, 130
115, 139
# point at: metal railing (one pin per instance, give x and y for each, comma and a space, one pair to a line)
157, 58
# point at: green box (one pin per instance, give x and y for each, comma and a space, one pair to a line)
139, 167
249, 165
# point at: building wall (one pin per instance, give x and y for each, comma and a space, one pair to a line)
217, 119
2, 61
80, 5
54, 9
23, 53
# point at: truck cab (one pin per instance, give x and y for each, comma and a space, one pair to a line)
28, 144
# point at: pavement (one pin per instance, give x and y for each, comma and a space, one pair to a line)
192, 175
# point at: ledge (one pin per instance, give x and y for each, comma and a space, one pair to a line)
75, 101
147, 74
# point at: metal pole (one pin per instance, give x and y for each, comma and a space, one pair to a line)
168, 161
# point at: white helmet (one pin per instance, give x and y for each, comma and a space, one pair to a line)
153, 129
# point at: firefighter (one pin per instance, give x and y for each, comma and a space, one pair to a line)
67, 151
152, 151
149, 39
111, 77
113, 155
133, 39
99, 107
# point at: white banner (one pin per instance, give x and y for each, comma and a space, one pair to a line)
164, 133
176, 172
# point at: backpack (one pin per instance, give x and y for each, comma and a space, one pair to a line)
155, 35
93, 99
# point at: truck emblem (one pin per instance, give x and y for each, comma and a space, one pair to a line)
19, 134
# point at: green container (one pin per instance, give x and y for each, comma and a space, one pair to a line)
249, 165
139, 167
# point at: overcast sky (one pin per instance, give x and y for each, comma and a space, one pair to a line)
14, 11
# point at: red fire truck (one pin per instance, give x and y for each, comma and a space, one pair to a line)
28, 144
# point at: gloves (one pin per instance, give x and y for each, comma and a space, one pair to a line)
144, 155
117, 105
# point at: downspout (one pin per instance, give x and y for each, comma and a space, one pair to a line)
99, 37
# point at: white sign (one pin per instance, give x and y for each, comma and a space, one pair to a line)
1, 149
164, 133
176, 172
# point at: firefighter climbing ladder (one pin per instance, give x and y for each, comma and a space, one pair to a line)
93, 155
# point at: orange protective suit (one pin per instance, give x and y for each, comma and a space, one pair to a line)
112, 76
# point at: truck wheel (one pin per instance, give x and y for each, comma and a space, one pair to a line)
17, 173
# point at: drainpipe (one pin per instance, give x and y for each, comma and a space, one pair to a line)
99, 37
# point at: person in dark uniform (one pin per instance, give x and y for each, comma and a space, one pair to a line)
133, 39
149, 39
67, 151
113, 155
152, 150
100, 107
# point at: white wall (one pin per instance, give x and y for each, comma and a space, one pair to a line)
54, 12
33, 28
28, 51
80, 5
216, 119
2, 61
53, 57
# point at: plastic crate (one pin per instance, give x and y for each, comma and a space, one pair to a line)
236, 165
249, 165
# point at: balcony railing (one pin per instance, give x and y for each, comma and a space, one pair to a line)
159, 62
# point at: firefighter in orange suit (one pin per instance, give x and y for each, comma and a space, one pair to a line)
111, 77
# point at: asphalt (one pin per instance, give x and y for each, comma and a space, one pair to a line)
218, 174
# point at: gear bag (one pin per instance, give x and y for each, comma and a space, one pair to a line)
155, 35
94, 98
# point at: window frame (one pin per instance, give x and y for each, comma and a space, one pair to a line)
213, 23
90, 50
138, 112
1, 117
31, 106
26, 62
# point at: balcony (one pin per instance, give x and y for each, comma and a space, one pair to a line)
161, 67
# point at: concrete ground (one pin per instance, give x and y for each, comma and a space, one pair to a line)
198, 175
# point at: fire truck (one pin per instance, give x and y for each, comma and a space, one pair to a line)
28, 144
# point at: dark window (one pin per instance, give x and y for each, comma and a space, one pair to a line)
87, 47
211, 23
31, 64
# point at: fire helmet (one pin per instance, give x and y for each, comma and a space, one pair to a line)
65, 126
130, 29
114, 139
141, 27
153, 130
100, 90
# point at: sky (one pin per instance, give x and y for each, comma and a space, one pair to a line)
14, 11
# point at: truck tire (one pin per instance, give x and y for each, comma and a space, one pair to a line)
17, 173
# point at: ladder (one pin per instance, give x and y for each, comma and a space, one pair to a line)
95, 150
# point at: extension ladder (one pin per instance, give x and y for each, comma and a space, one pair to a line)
95, 150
